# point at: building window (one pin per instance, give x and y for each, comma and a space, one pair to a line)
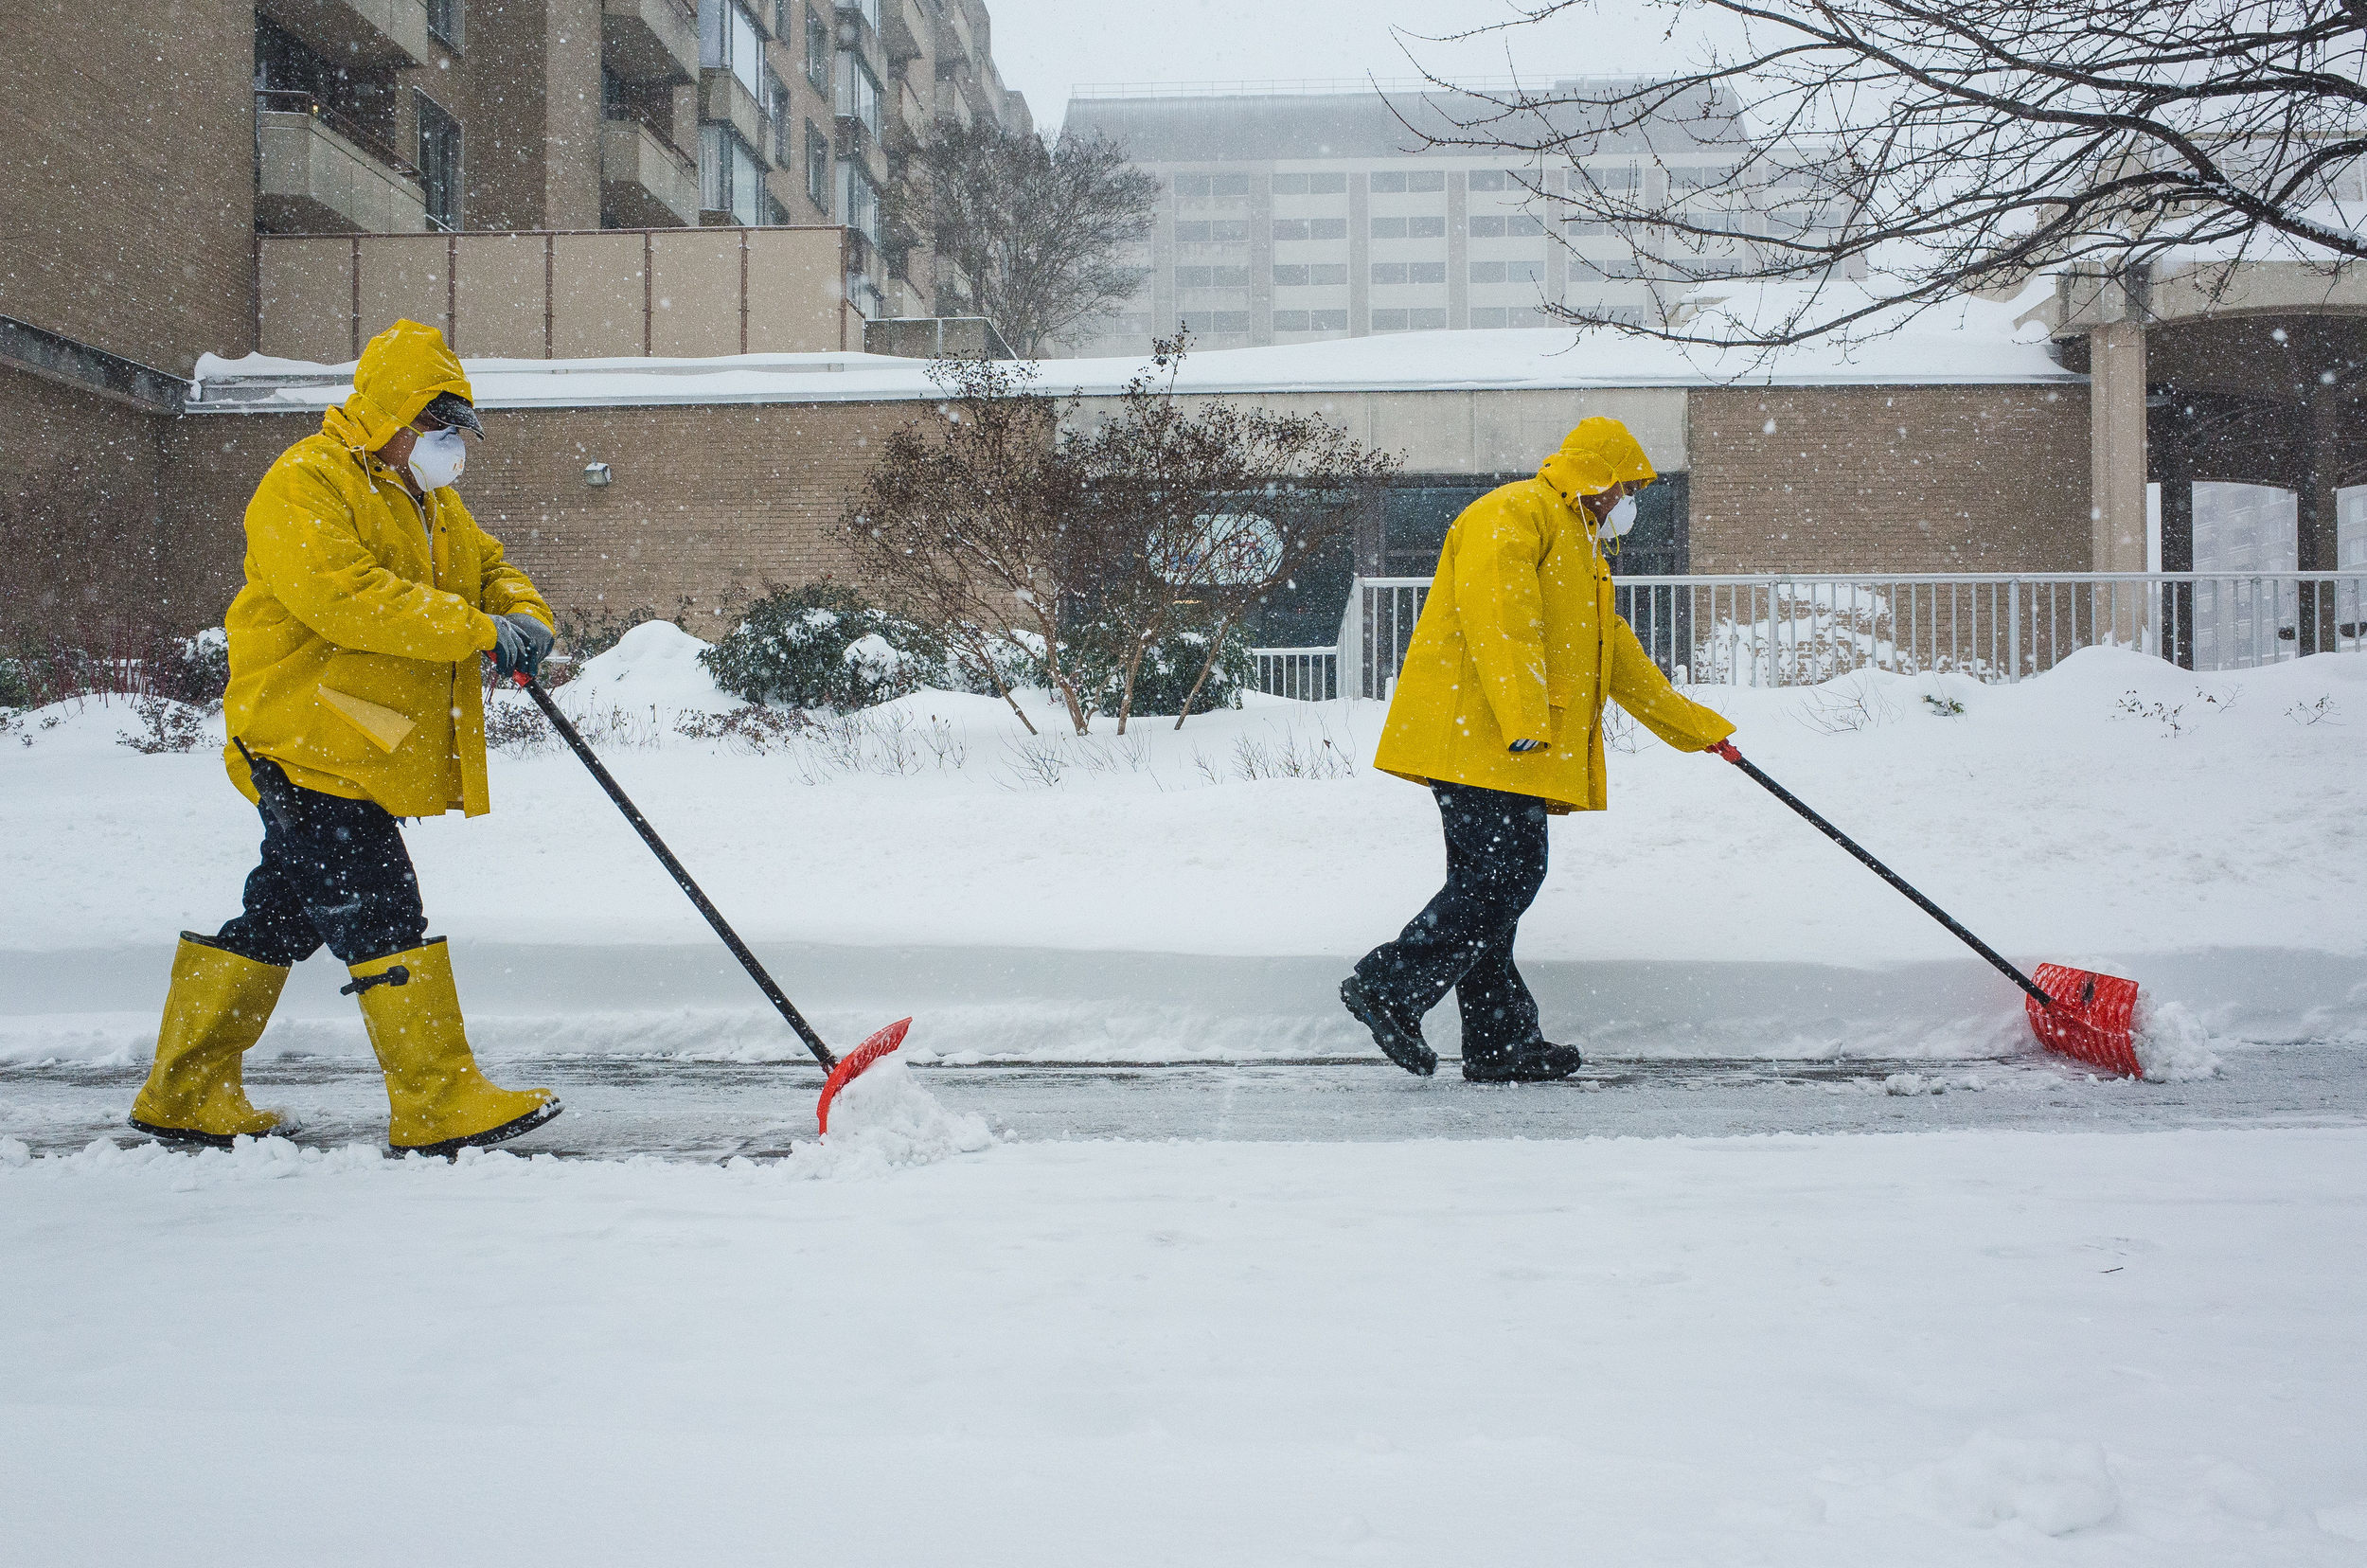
730, 178
858, 91
1328, 321
1489, 179
1389, 228
1191, 187
818, 168
1388, 183
1229, 184
1432, 320
729, 38
440, 162
1389, 321
1289, 321
1523, 228
1215, 321
1289, 277
1487, 271
1191, 234
1388, 272
1488, 228
783, 124
444, 23
859, 201
817, 50
1426, 229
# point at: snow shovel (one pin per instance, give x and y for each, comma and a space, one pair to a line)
841, 1070
2081, 1013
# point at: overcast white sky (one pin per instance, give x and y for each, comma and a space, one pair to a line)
1046, 46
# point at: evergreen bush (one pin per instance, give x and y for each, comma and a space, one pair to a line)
824, 646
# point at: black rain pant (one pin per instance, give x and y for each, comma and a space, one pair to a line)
1461, 940
334, 871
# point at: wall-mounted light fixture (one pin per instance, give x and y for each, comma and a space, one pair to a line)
598, 476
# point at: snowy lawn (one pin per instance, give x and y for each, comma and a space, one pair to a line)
1934, 1350
2201, 831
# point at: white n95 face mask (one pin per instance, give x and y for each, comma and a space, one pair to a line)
436, 458
1620, 518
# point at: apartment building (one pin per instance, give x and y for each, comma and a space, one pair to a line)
1299, 215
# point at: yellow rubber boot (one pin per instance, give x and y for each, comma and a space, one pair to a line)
441, 1103
217, 1008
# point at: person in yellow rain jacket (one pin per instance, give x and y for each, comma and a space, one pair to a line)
1499, 709
355, 700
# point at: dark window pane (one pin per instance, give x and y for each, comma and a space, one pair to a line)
1327, 228
1425, 271
1426, 229
1327, 184
1388, 272
1289, 228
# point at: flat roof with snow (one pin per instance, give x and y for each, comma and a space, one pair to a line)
1967, 341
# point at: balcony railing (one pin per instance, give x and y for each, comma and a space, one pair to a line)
723, 98
907, 119
645, 181
316, 173
1801, 630
904, 29
650, 40
376, 34
952, 106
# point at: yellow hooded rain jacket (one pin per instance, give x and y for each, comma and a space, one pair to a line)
1519, 641
354, 643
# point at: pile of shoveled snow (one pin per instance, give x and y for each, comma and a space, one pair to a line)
2172, 1045
884, 1121
655, 665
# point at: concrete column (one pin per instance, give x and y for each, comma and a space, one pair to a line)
1458, 250
2315, 517
2116, 468
1359, 255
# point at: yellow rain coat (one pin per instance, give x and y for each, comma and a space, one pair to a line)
1519, 641
354, 643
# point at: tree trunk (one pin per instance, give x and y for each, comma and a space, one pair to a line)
994, 678
1215, 646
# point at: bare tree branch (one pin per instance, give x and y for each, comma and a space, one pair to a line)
1915, 150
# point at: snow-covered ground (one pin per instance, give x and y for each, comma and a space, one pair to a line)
1936, 1349
1171, 893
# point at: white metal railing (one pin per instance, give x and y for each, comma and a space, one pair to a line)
1800, 630
1309, 675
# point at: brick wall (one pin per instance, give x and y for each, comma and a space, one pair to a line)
1889, 479
706, 500
79, 484
127, 193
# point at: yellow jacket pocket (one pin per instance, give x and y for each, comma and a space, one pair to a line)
385, 727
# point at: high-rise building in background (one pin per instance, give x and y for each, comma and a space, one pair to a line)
565, 115
1299, 213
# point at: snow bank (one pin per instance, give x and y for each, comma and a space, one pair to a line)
1194, 893
654, 666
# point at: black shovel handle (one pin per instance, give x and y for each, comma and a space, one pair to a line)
1727, 750
665, 857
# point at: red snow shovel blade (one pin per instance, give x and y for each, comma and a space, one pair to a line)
851, 1065
2090, 1020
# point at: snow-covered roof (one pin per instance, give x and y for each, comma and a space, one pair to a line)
1967, 342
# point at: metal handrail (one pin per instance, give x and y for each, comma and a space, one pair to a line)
1789, 629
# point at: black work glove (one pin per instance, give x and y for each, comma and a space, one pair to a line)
1526, 746
520, 641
